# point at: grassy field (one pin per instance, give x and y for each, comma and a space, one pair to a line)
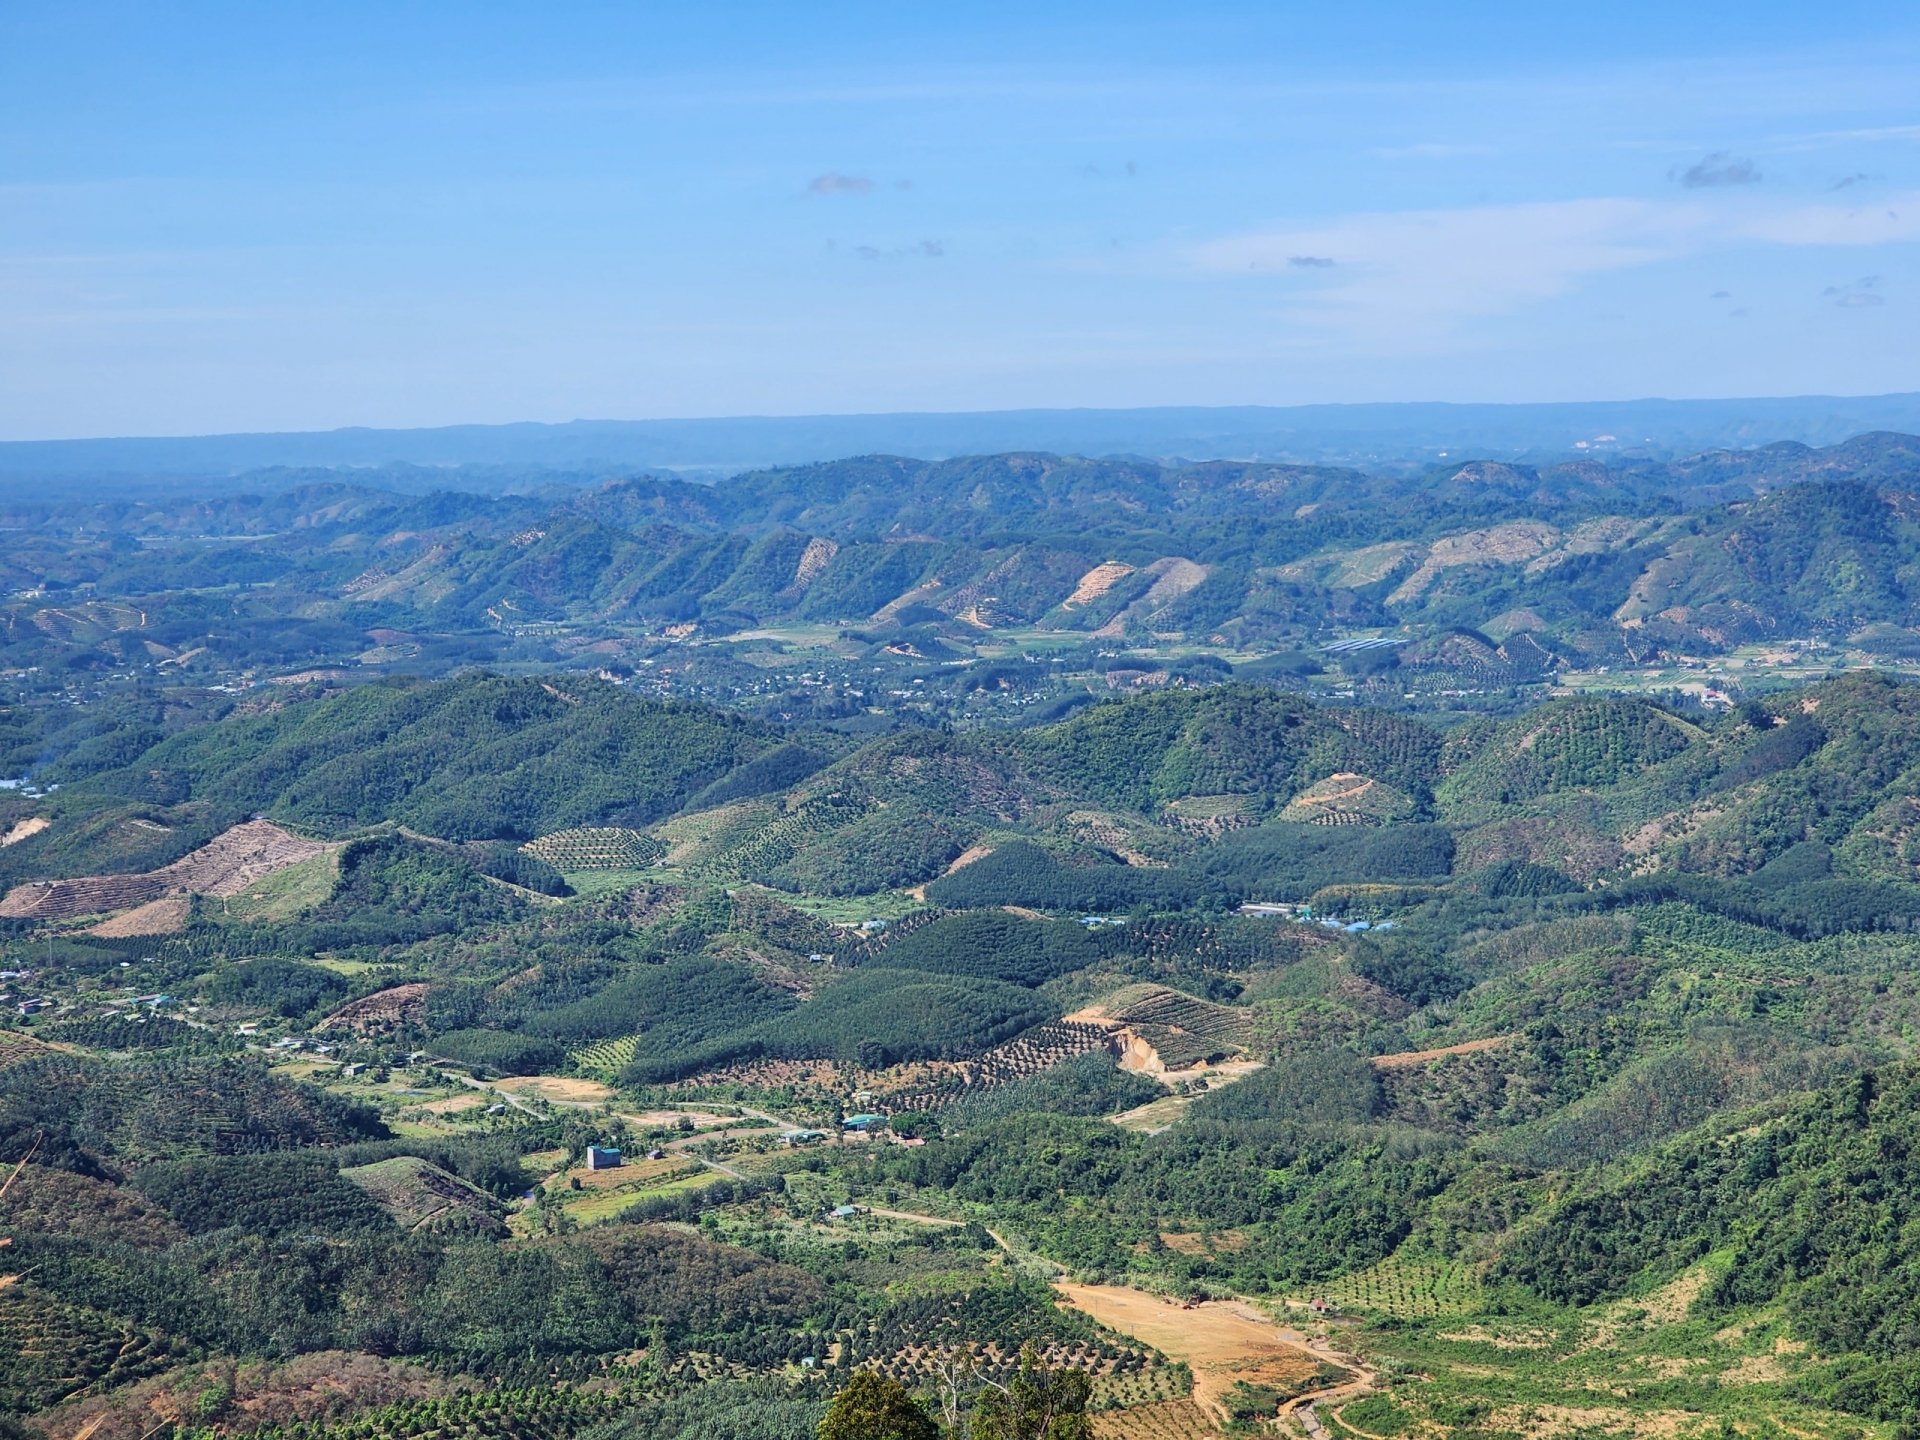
604, 1194
1154, 1116
1759, 668
344, 967
285, 894
592, 884
1648, 1367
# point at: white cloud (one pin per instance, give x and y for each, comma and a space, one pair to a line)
1430, 269
1404, 280
836, 184
1430, 151
1895, 218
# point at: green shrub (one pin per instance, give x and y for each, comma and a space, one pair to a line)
285, 987
875, 1017
501, 1050
478, 757
672, 1006
1090, 1084
993, 945
262, 1194
1330, 1087
1021, 873
1280, 861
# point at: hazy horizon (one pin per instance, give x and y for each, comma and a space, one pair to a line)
1378, 438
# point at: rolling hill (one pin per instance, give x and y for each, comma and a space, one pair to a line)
1569, 1036
1491, 573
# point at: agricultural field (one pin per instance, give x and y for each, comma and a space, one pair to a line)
596, 848
1407, 1288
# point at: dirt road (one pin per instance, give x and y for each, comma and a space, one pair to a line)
1224, 1341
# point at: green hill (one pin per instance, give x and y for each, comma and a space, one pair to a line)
1491, 573
1809, 1202
478, 757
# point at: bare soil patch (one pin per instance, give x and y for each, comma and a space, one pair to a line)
1096, 582
1407, 1059
1541, 1422
1192, 1243
324, 1386
224, 866
453, 1104
24, 830
638, 1173
166, 916
1224, 1341
391, 1006
967, 857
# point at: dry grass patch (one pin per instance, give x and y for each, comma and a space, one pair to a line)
1517, 1340
1547, 1422
166, 916
564, 1089
1754, 1370
453, 1104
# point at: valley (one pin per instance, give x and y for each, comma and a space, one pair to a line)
1363, 1025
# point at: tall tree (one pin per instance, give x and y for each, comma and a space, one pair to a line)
1037, 1404
873, 1407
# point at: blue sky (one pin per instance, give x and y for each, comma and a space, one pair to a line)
252, 217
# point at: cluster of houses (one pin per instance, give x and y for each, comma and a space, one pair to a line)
852, 1125
1303, 915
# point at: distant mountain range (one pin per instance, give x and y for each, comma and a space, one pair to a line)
1493, 573
1377, 437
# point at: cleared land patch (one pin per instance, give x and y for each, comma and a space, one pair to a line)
165, 916
420, 1195
1407, 1059
223, 867
557, 1087
1225, 1342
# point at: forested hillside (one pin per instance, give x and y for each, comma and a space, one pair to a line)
1531, 1034
1486, 576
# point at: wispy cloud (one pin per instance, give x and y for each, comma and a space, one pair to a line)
1430, 151
833, 183
1860, 294
1404, 280
926, 249
1719, 168
1884, 132
1427, 271
1897, 218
